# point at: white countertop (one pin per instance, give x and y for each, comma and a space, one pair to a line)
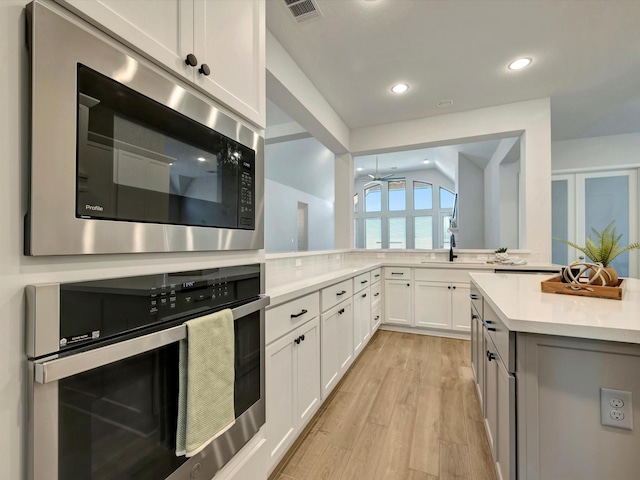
286, 285
523, 307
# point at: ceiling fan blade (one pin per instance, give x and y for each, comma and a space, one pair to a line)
371, 176
391, 179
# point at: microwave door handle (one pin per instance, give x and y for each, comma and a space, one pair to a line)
47, 371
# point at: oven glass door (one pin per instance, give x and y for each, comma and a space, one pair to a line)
138, 160
118, 421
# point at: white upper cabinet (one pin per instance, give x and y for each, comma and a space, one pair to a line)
225, 38
229, 38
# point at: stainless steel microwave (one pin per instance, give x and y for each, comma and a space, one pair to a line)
125, 158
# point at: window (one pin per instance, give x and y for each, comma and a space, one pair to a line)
447, 198
423, 228
355, 203
422, 196
398, 232
397, 196
373, 199
373, 233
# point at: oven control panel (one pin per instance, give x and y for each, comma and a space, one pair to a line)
93, 311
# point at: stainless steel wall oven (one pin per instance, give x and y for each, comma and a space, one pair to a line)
103, 367
126, 158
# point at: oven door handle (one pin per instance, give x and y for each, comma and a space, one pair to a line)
47, 371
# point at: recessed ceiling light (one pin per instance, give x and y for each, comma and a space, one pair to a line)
445, 103
519, 63
202, 159
427, 161
400, 88
359, 169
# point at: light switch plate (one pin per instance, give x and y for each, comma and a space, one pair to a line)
616, 409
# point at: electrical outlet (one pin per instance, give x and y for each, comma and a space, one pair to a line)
616, 409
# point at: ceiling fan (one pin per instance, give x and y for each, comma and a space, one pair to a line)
376, 177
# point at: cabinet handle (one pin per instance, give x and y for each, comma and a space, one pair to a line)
408, 284
299, 314
490, 356
297, 341
302, 338
204, 70
397, 273
341, 293
364, 281
376, 275
364, 295
449, 287
341, 311
376, 294
191, 60
491, 329
454, 287
473, 296
377, 317
474, 316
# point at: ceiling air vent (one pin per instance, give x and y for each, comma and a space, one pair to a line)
303, 9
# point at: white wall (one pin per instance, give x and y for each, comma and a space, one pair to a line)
281, 219
531, 119
509, 193
17, 270
470, 204
596, 152
303, 164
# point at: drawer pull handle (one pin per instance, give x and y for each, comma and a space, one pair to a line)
341, 311
364, 281
473, 296
397, 273
364, 295
376, 294
490, 356
299, 314
486, 325
376, 275
341, 293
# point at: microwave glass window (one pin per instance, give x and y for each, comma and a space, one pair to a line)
141, 161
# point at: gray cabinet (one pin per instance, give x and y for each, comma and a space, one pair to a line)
493, 367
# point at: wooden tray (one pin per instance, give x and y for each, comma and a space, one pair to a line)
555, 285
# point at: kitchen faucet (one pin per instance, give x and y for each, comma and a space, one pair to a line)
452, 243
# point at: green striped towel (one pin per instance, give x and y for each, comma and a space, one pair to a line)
206, 382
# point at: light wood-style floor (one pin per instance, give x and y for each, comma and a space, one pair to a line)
406, 410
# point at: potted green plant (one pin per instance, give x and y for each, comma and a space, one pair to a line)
602, 248
501, 253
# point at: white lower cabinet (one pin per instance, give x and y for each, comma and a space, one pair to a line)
433, 305
376, 317
361, 320
337, 344
292, 386
397, 302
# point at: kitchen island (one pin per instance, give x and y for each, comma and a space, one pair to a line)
541, 362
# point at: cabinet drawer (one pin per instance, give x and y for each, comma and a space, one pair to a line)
376, 275
503, 339
335, 294
441, 275
397, 273
376, 293
476, 300
361, 281
284, 318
